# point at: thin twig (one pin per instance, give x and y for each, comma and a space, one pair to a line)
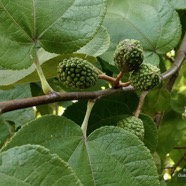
11, 105
177, 164
180, 148
118, 78
140, 104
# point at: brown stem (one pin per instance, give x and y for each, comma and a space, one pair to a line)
180, 147
110, 79
10, 105
140, 104
115, 82
118, 78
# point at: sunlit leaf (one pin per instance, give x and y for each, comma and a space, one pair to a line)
58, 27
154, 23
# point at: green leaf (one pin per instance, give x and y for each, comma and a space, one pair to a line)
178, 101
107, 111
154, 23
109, 156
19, 117
162, 103
178, 4
12, 77
171, 134
34, 165
98, 45
4, 132
58, 27
57, 142
151, 135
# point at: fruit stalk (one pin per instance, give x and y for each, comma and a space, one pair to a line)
140, 104
84, 125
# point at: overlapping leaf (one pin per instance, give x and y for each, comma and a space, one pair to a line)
154, 23
34, 165
58, 27
178, 4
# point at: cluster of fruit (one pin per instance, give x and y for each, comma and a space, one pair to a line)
78, 73
129, 57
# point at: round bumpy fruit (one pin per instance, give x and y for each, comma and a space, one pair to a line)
134, 125
128, 55
77, 73
146, 77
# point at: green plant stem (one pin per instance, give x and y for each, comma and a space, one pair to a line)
140, 104
45, 86
84, 125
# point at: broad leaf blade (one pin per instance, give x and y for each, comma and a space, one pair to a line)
35, 165
109, 156
178, 4
128, 152
51, 127
98, 45
59, 27
154, 23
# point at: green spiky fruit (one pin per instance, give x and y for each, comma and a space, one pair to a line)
146, 77
77, 73
128, 55
134, 125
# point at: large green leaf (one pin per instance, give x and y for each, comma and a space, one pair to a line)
154, 23
34, 165
57, 26
178, 4
162, 103
109, 156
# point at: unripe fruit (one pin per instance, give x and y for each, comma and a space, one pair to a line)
77, 73
146, 77
133, 125
128, 55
